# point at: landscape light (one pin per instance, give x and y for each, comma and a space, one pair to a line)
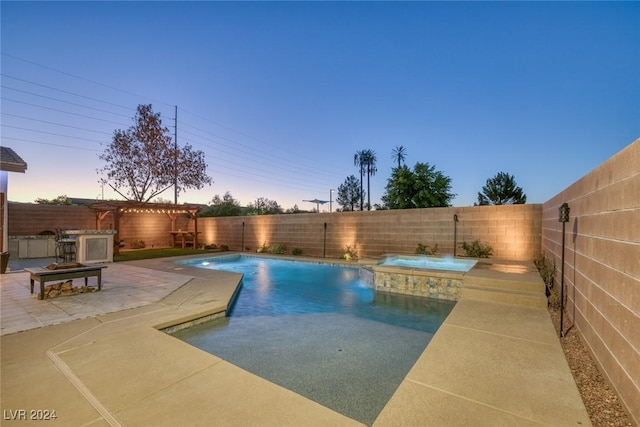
563, 218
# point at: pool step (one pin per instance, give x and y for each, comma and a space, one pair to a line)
525, 293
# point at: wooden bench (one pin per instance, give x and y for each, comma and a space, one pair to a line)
46, 275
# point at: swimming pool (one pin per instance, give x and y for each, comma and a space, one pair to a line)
320, 331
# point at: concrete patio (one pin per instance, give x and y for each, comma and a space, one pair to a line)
99, 359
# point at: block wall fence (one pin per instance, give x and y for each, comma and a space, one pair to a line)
29, 219
602, 266
512, 231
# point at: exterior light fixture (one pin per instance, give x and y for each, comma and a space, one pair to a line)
564, 212
563, 218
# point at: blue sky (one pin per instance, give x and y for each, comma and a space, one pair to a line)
279, 96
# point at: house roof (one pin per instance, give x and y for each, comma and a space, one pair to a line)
10, 161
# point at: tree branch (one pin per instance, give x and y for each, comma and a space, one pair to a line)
116, 190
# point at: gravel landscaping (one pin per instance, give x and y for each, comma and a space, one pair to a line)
602, 403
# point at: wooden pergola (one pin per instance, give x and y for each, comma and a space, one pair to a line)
118, 208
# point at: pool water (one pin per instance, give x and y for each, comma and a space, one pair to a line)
432, 263
319, 331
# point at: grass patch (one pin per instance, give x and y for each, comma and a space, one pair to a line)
157, 253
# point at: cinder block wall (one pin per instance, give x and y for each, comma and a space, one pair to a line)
30, 219
27, 219
152, 228
602, 266
513, 231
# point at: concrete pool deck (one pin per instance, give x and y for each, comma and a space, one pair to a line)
99, 359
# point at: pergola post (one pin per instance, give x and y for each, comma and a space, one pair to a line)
194, 215
116, 227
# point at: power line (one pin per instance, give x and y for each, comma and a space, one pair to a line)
53, 123
296, 163
109, 121
64, 91
232, 146
51, 133
64, 101
51, 144
262, 179
305, 177
81, 78
104, 133
252, 169
61, 111
120, 90
253, 152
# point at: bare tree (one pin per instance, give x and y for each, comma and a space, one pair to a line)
142, 162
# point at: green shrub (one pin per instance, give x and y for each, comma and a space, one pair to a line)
263, 249
350, 253
138, 244
278, 248
547, 270
426, 249
296, 251
476, 249
224, 248
211, 246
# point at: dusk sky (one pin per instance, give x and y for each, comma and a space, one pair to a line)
279, 96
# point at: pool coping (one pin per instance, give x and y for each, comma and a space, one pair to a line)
89, 371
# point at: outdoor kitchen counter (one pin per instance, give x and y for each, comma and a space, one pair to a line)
93, 245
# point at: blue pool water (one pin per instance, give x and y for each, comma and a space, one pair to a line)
432, 263
320, 331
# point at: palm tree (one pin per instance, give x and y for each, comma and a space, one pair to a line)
359, 160
370, 162
399, 154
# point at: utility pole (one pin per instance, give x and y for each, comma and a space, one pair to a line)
175, 159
